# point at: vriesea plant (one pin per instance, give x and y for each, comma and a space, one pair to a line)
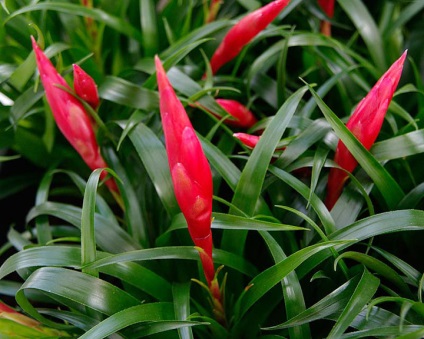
232, 219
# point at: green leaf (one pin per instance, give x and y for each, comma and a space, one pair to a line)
153, 155
405, 15
156, 312
126, 93
177, 253
332, 303
383, 223
268, 278
249, 187
379, 267
399, 147
367, 28
293, 295
181, 294
66, 256
88, 239
413, 335
232, 222
384, 330
318, 206
149, 27
364, 291
105, 228
41, 256
74, 287
97, 14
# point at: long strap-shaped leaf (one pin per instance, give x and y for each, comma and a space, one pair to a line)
249, 187
367, 28
318, 206
266, 280
178, 253
70, 256
73, 287
105, 228
388, 187
88, 238
383, 223
363, 293
292, 290
153, 155
160, 313
99, 15
332, 303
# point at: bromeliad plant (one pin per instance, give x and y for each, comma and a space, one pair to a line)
180, 169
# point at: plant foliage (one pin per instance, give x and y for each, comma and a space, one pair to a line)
81, 263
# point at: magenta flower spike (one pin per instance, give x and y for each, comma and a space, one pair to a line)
190, 170
328, 8
243, 117
244, 31
365, 124
85, 87
70, 115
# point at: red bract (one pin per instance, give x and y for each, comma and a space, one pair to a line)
365, 124
70, 115
328, 7
244, 31
85, 87
243, 117
190, 170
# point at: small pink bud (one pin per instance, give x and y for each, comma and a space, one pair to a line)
85, 87
247, 139
243, 117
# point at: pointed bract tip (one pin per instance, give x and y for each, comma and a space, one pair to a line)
34, 43
158, 63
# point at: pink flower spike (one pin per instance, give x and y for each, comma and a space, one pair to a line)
244, 31
190, 170
243, 117
365, 124
85, 87
248, 140
70, 115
